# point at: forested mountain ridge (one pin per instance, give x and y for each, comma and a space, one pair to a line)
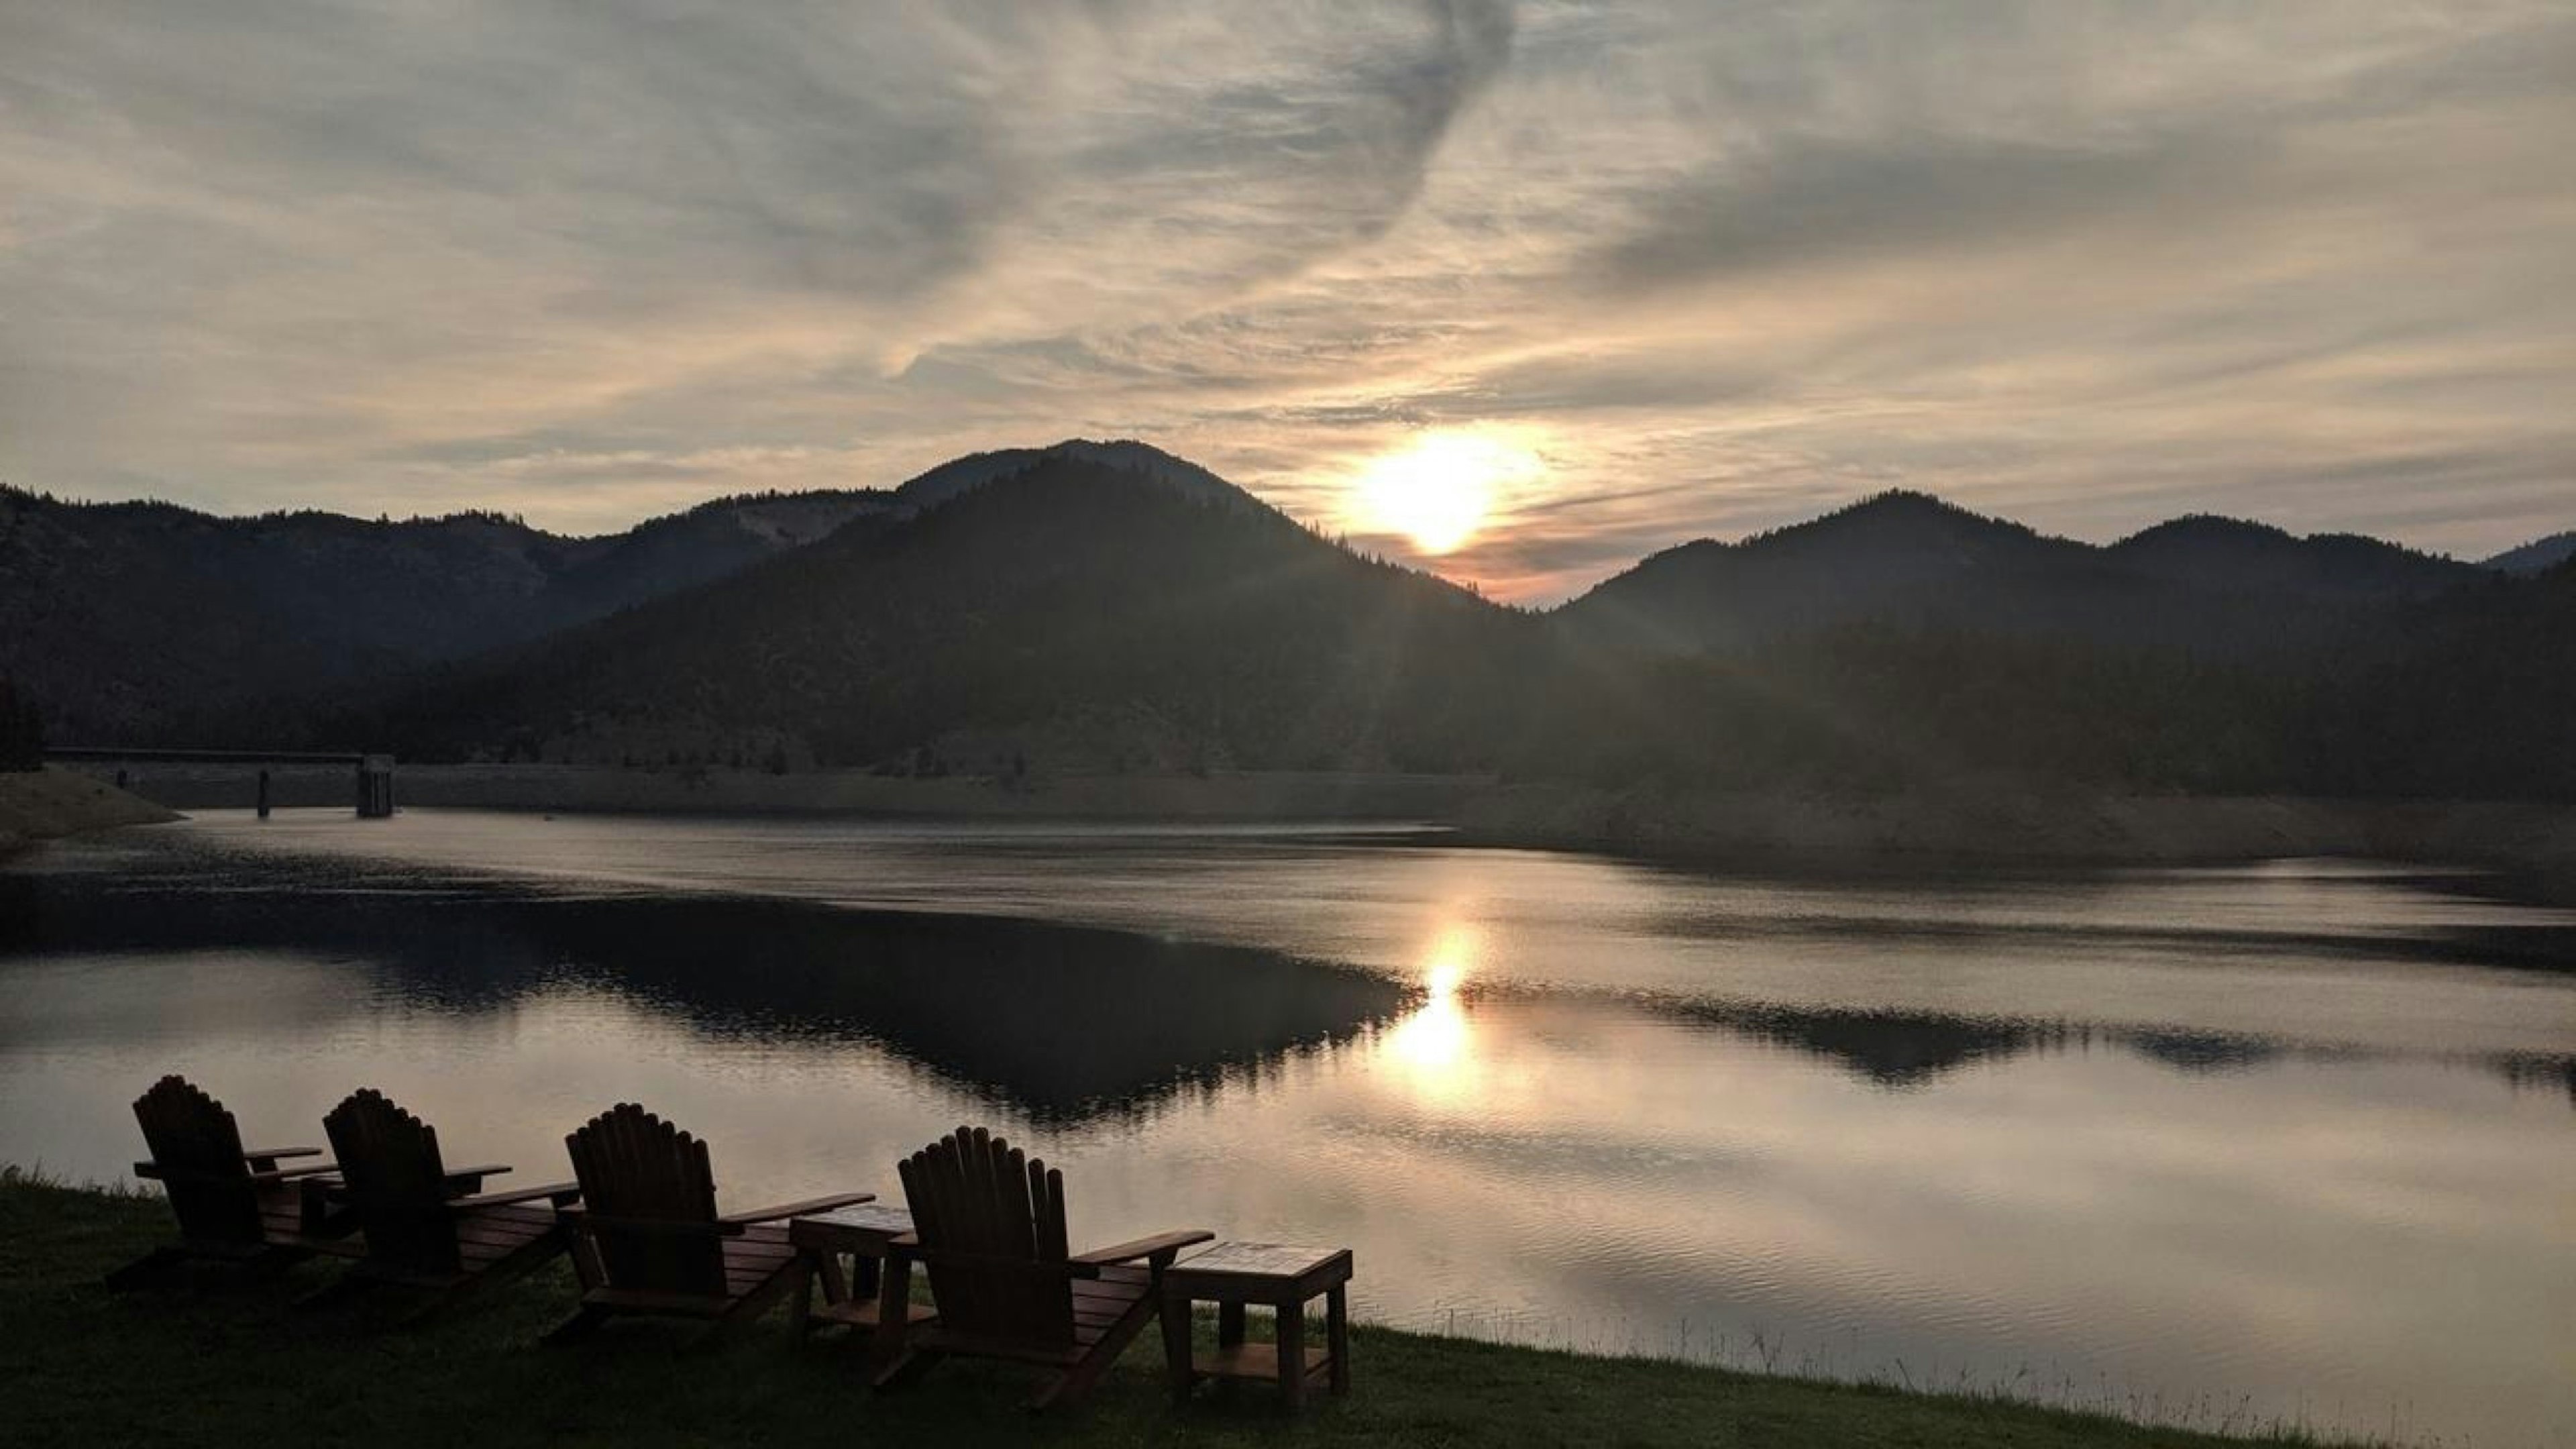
2200, 583
2537, 556
1091, 615
1104, 607
960, 476
144, 622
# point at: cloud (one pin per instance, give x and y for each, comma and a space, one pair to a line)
1809, 202
1727, 261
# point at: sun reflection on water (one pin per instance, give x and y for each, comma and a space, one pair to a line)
1435, 1046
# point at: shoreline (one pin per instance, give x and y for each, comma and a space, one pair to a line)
2530, 846
224, 1364
48, 804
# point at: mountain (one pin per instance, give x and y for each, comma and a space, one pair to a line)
1897, 554
1106, 608
960, 476
2537, 556
2205, 584
2227, 555
1068, 613
142, 622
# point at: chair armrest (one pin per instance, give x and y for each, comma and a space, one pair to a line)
1162, 1246
155, 1172
796, 1209
284, 1174
598, 1225
271, 1154
561, 1194
466, 1181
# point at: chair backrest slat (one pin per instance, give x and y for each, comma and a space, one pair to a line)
397, 1181
197, 1144
974, 1195
633, 1165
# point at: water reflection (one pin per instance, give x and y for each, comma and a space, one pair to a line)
1055, 1023
2056, 1153
1434, 1044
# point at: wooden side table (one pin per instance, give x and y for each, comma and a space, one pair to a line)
1286, 1279
863, 1233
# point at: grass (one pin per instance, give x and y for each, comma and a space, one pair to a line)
220, 1362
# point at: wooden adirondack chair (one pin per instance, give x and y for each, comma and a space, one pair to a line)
428, 1226
988, 1226
234, 1204
647, 1238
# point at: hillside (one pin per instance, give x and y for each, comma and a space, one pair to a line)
2212, 585
1069, 614
144, 622
960, 476
1897, 553
1105, 609
2537, 556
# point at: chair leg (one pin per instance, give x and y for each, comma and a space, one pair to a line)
904, 1369
329, 1293
275, 1262
1073, 1383
580, 1325
148, 1269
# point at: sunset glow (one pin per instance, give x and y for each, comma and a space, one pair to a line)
1439, 489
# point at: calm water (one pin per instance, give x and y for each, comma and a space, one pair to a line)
2293, 1142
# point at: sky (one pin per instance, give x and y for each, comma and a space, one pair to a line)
1645, 271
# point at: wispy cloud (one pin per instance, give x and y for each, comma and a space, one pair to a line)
2089, 262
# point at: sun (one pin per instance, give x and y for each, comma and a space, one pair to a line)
1439, 488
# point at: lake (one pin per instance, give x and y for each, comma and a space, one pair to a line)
2291, 1142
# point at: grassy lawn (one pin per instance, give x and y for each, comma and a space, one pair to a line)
219, 1363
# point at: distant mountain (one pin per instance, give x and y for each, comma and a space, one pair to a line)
1898, 554
2213, 585
2538, 556
960, 476
2227, 555
1064, 614
1105, 608
137, 622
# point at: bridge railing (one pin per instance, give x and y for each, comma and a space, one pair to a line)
374, 772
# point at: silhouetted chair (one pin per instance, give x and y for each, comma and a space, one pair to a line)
988, 1226
427, 1226
647, 1239
234, 1204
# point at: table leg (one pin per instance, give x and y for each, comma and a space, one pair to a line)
836, 1289
1176, 1346
1292, 1354
863, 1276
800, 1317
1337, 1337
894, 1316
1229, 1324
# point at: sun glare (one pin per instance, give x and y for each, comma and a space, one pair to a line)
1434, 1045
1438, 488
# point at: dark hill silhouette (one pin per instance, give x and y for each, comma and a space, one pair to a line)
1070, 610
960, 476
1898, 554
2226, 555
2537, 556
1105, 607
2204, 584
143, 622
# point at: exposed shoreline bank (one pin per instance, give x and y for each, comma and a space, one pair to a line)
2531, 845
50, 803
